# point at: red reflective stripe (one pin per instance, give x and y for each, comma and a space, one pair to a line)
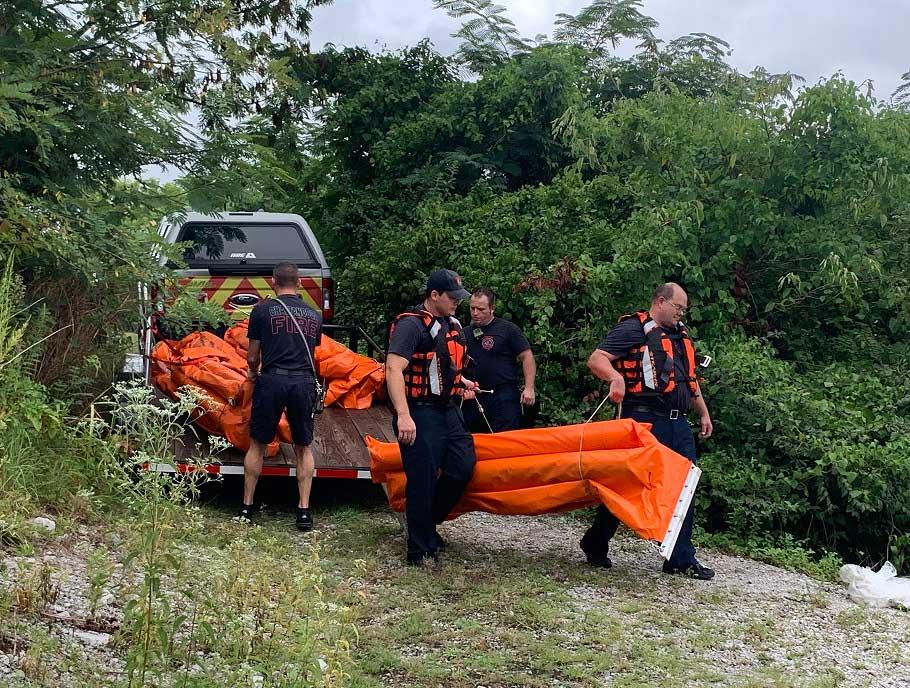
210, 468
276, 470
336, 473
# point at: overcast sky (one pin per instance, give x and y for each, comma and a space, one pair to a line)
813, 38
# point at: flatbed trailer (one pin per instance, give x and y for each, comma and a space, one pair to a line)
338, 445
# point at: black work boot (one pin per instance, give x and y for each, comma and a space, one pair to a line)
693, 570
596, 556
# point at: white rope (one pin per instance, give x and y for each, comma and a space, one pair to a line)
581, 441
483, 413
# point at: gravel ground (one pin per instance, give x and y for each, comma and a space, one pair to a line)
794, 624
82, 639
798, 625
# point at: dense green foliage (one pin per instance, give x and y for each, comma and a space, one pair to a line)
573, 182
570, 180
90, 94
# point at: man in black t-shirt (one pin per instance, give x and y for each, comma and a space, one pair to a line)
494, 344
281, 366
427, 353
649, 361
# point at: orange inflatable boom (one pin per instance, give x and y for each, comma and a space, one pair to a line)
617, 463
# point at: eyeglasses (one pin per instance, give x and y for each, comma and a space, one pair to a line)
679, 309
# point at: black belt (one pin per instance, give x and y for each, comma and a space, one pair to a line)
430, 402
286, 372
672, 414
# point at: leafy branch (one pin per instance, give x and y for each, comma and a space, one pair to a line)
606, 22
488, 36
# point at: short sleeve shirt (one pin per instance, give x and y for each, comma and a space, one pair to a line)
493, 348
629, 334
411, 335
278, 336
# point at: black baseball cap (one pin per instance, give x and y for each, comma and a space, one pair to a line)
449, 282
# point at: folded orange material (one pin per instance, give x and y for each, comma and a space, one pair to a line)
218, 367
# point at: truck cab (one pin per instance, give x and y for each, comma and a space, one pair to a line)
229, 258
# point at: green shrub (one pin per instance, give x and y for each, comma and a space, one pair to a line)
823, 454
190, 312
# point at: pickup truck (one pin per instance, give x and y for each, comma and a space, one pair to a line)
229, 259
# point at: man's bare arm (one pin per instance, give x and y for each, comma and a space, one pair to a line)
701, 408
253, 358
601, 364
529, 368
394, 376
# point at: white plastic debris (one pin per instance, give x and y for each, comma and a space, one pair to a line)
44, 522
876, 588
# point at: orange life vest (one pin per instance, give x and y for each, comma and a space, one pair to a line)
649, 369
435, 371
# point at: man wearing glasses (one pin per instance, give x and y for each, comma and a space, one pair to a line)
648, 360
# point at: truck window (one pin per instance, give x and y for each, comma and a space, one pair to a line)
214, 245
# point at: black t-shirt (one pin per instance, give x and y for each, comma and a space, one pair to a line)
493, 349
411, 335
278, 336
629, 334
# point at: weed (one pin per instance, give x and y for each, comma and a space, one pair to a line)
36, 664
99, 570
783, 551
854, 618
35, 588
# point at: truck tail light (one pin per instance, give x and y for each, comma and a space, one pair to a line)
328, 298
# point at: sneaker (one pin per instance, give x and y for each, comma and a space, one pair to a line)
304, 520
245, 515
693, 570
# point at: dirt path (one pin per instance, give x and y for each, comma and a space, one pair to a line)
514, 595
751, 617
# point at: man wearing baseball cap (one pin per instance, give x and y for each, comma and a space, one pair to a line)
427, 352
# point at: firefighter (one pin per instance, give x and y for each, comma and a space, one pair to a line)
281, 365
494, 344
427, 352
649, 361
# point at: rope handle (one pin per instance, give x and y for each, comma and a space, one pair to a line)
581, 441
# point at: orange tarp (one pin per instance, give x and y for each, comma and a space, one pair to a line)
218, 367
617, 463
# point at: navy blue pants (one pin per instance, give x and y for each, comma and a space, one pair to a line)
677, 435
438, 466
502, 408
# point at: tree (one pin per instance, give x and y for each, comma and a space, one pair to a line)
93, 92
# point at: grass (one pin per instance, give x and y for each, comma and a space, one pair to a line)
269, 601
517, 619
784, 551
337, 607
